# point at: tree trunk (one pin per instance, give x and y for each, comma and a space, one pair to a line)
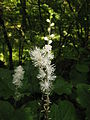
6, 36
23, 12
8, 44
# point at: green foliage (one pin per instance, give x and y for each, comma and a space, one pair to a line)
64, 110
77, 77
83, 98
26, 26
23, 114
70, 52
62, 87
30, 78
34, 109
83, 93
79, 73
82, 68
6, 89
6, 111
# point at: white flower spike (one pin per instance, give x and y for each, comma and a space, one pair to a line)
18, 76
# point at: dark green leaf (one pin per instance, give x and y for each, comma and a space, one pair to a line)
63, 111
83, 98
82, 68
6, 86
6, 111
77, 77
61, 86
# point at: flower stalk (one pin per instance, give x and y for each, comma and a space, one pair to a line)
42, 59
17, 80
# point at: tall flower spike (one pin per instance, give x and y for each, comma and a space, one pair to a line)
18, 76
42, 59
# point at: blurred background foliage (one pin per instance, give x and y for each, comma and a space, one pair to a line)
22, 27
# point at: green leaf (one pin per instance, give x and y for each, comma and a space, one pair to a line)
6, 87
23, 114
82, 68
6, 111
63, 111
54, 112
30, 76
61, 86
34, 108
83, 93
27, 112
83, 97
77, 77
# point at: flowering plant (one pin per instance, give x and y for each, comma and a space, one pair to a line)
42, 59
17, 80
18, 76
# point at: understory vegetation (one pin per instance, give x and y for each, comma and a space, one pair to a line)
60, 30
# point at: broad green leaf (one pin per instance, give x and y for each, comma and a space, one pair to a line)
63, 111
61, 86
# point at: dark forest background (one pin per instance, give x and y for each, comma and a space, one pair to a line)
22, 27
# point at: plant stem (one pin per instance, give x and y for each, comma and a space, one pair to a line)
46, 103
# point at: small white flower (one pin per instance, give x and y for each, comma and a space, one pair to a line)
50, 41
52, 35
50, 72
46, 38
36, 56
48, 20
48, 48
52, 24
49, 29
45, 86
41, 74
46, 61
50, 56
